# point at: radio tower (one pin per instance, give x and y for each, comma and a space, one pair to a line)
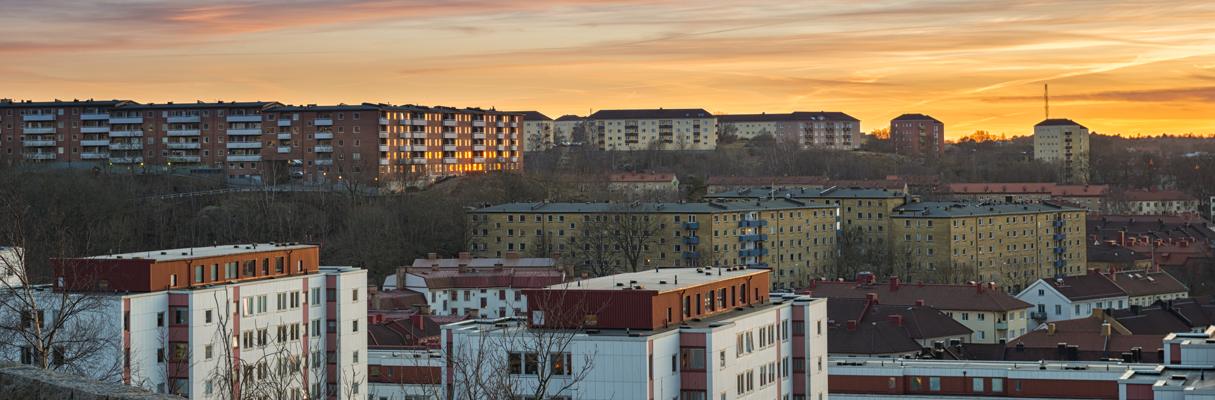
1046, 98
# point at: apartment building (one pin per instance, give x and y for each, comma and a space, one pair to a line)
1064, 142
1010, 244
812, 130
1074, 297
55, 131
404, 361
993, 315
189, 321
12, 267
478, 287
391, 145
918, 136
564, 128
1091, 197
538, 130
219, 137
792, 238
654, 129
687, 333
1152, 202
863, 212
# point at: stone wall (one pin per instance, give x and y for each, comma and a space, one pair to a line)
25, 382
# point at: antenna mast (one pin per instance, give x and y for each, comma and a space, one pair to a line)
1046, 98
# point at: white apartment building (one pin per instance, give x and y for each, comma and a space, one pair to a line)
476, 287
811, 130
12, 266
729, 343
656, 129
224, 322
1065, 142
1072, 297
399, 373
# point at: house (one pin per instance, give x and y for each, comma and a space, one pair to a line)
1106, 256
865, 327
644, 185
1071, 297
1145, 287
1093, 338
1153, 202
404, 360
991, 313
477, 287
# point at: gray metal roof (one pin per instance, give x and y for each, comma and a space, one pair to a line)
658, 113
1059, 122
834, 192
945, 209
6, 103
793, 116
576, 208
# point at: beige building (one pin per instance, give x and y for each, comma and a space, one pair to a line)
1064, 142
817, 130
657, 129
792, 238
863, 212
1010, 244
537, 131
564, 128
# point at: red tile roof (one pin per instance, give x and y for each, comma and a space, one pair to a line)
414, 331
1143, 283
885, 329
766, 180
1084, 287
1156, 195
939, 296
641, 177
1030, 188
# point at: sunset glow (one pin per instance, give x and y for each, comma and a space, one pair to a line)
1117, 67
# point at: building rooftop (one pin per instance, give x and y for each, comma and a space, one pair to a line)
1146, 283
1029, 188
859, 326
1059, 122
709, 207
1156, 195
834, 192
1113, 253
767, 180
494, 277
950, 209
570, 117
190, 253
532, 116
630, 177
915, 117
660, 279
200, 104
977, 297
1092, 285
9, 103
659, 113
793, 116
510, 261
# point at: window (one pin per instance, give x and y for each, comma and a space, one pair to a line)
160, 319
531, 364
561, 363
354, 326
198, 274
355, 356
977, 385
692, 358
997, 385
934, 384
355, 294
179, 315
514, 362
208, 352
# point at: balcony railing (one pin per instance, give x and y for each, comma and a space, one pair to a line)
244, 145
449, 148
324, 135
418, 122
244, 157
38, 131
449, 135
126, 120
284, 149
94, 129
328, 161
449, 160
126, 146
752, 223
245, 132
184, 119
284, 136
753, 252
38, 143
383, 121
1002, 325
39, 156
95, 142
691, 240
691, 255
94, 155
183, 145
1060, 236
323, 149
184, 159
244, 118
755, 237
758, 265
38, 117
284, 122
479, 122
183, 132
323, 122
94, 117
691, 225
126, 160
126, 133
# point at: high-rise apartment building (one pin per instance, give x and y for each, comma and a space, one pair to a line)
811, 130
1010, 244
655, 129
1063, 142
537, 131
792, 238
679, 333
918, 136
367, 143
241, 321
864, 214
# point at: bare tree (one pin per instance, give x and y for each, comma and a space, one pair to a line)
591, 249
631, 235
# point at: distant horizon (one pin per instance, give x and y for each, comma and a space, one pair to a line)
1111, 65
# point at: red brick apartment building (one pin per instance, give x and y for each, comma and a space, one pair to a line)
372, 143
918, 135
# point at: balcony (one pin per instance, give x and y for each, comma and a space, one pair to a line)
752, 223
1059, 223
1060, 236
1002, 325
126, 120
126, 160
383, 148
691, 225
501, 136
514, 148
94, 117
449, 135
284, 136
417, 160
449, 122
325, 162
183, 132
449, 160
126, 146
126, 133
514, 159
418, 122
244, 132
323, 149
691, 240
383, 134
183, 145
95, 142
284, 149
383, 121
94, 129
384, 161
758, 265
501, 124
38, 131
478, 135
691, 255
244, 145
1060, 263
244, 157
758, 252
449, 148
1037, 315
755, 237
479, 123
418, 135
284, 122
244, 118
38, 143
184, 119
407, 148
324, 135
478, 159
38, 117
39, 156
94, 155
323, 122
183, 159
478, 147
1060, 250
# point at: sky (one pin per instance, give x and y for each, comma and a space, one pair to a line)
1121, 67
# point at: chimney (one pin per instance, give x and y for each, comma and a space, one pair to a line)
919, 302
979, 287
897, 320
1113, 273
894, 283
852, 325
1050, 329
1122, 238
1098, 313
1106, 329
418, 321
871, 298
423, 309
